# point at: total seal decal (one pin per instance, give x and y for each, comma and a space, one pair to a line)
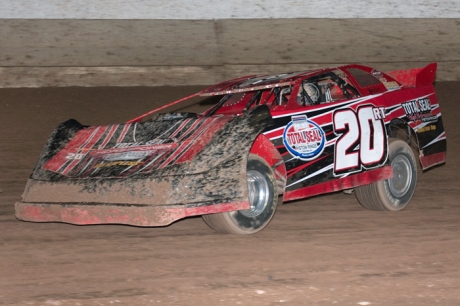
419, 109
303, 138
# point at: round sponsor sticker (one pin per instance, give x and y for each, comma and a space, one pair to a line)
303, 138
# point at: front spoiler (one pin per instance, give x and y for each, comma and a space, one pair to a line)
145, 201
214, 181
139, 215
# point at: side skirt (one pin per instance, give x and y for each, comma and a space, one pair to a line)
347, 182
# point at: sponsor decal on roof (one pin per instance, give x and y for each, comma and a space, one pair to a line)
390, 85
377, 74
303, 138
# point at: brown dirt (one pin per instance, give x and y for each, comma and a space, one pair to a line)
322, 251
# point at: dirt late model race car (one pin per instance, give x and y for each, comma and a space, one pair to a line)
288, 136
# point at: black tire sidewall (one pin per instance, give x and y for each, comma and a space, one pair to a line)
256, 163
389, 200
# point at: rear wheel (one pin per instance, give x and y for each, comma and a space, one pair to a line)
394, 193
263, 197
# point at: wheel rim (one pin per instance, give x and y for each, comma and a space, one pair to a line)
402, 176
258, 192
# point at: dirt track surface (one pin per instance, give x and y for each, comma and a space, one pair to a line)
326, 250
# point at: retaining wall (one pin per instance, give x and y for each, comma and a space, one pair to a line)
131, 43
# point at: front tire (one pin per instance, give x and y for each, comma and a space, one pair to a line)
263, 197
395, 193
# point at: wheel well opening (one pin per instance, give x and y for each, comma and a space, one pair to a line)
399, 129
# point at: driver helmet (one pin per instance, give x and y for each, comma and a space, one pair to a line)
312, 91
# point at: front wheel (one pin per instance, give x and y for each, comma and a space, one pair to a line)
263, 197
394, 193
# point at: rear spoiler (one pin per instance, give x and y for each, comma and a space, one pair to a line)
415, 77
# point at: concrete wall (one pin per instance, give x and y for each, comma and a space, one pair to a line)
176, 42
231, 9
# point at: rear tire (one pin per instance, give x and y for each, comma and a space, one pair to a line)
395, 193
262, 196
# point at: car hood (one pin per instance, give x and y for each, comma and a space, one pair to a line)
146, 148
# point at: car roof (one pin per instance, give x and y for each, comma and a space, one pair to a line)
254, 82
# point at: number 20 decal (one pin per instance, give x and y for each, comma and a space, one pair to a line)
362, 139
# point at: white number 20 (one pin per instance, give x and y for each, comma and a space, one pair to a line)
362, 139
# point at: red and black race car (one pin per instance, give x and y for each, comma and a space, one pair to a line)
287, 136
